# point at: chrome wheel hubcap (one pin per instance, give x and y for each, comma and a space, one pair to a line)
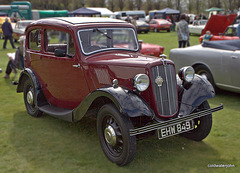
110, 135
30, 97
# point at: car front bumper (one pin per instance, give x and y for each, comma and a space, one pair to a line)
174, 121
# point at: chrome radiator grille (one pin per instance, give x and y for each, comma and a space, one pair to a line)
164, 88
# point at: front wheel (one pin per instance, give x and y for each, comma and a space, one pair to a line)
206, 74
203, 125
113, 131
29, 95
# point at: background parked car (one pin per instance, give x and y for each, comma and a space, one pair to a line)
142, 26
221, 27
216, 61
152, 49
159, 24
19, 28
197, 26
229, 34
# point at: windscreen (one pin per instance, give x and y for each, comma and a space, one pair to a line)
101, 39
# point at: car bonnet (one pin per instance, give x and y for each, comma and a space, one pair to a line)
218, 23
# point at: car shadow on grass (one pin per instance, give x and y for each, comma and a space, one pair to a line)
47, 143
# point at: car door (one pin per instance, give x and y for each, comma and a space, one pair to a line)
153, 24
60, 71
230, 69
234, 68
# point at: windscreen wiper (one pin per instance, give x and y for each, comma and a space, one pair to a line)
96, 29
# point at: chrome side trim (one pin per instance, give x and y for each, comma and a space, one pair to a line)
156, 126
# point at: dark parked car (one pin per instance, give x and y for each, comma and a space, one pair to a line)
76, 67
142, 26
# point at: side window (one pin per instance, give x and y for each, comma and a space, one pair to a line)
55, 39
35, 39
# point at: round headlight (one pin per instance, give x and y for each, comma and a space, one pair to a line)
141, 82
186, 73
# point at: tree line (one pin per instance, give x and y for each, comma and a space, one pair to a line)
185, 6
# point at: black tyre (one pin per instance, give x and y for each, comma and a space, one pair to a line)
113, 131
203, 125
205, 73
29, 95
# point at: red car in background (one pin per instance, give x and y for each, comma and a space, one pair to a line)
221, 28
152, 49
159, 24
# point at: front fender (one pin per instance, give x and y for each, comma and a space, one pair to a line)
127, 102
195, 94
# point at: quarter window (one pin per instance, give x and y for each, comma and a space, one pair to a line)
35, 39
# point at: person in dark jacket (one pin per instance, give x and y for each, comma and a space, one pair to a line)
17, 62
7, 32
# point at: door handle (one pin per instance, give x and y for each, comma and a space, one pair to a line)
77, 66
234, 57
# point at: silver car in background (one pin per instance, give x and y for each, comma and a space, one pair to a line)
197, 26
217, 61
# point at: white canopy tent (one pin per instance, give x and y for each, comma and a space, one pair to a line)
104, 11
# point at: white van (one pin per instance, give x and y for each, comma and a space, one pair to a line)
123, 14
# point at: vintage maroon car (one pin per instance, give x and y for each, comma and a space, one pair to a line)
221, 28
76, 67
159, 24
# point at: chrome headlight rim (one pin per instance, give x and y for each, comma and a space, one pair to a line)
186, 74
141, 82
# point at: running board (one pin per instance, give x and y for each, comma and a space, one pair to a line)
159, 125
61, 113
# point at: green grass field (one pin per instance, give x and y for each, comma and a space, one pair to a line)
50, 145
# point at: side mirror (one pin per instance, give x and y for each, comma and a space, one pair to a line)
60, 53
140, 44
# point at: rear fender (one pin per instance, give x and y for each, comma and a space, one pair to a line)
194, 94
28, 73
127, 102
25, 74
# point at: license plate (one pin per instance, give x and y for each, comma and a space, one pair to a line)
175, 129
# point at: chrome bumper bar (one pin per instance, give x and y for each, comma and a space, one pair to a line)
159, 125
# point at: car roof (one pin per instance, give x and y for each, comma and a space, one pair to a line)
83, 20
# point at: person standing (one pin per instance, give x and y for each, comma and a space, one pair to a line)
182, 31
7, 32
